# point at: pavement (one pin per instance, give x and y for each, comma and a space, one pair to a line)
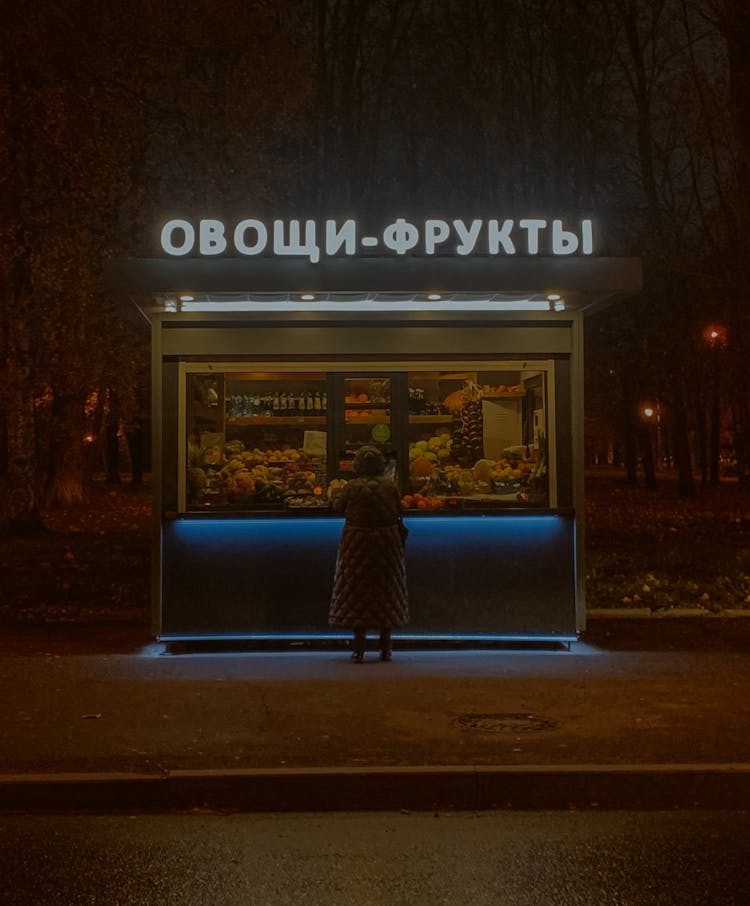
649, 713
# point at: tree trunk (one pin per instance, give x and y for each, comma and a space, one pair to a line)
681, 442
700, 421
64, 486
19, 501
740, 417
714, 440
629, 436
112, 441
646, 441
135, 439
19, 490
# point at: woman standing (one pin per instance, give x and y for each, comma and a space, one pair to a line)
369, 589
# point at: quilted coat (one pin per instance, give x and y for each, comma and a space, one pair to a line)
369, 589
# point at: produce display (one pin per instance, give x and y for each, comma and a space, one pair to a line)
466, 446
467, 424
450, 464
285, 476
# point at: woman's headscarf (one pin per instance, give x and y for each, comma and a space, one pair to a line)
368, 461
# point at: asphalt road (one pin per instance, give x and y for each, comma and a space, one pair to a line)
357, 859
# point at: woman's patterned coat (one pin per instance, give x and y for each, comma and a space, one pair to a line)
369, 589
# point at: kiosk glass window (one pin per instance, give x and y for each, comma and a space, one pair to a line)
478, 439
256, 440
453, 440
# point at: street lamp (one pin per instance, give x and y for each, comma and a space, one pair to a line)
715, 335
651, 415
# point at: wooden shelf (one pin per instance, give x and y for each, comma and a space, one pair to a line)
365, 419
430, 419
263, 421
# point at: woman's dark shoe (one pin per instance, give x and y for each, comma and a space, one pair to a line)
358, 644
385, 645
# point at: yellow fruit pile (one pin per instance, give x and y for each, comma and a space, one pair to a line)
436, 448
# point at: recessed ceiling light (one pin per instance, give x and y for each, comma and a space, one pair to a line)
308, 297
434, 297
553, 297
186, 297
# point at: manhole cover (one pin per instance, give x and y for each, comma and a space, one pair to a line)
503, 723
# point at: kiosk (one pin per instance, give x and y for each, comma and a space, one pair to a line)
269, 371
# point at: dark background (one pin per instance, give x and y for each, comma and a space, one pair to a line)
115, 117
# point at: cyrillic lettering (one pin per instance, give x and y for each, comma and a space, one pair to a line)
435, 232
345, 235
587, 237
261, 237
211, 239
468, 236
294, 246
497, 236
400, 236
167, 237
532, 228
563, 241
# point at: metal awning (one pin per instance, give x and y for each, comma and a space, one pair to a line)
160, 286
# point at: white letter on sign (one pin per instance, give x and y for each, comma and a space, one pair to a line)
563, 241
587, 237
435, 232
400, 236
532, 228
497, 237
239, 237
345, 235
211, 237
167, 238
294, 246
468, 236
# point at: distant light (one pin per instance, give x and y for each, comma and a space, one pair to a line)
170, 305
187, 298
88, 438
434, 297
553, 297
307, 297
558, 305
715, 335
648, 411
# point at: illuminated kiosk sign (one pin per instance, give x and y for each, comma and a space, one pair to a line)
461, 295
313, 240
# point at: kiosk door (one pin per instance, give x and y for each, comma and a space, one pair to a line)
371, 409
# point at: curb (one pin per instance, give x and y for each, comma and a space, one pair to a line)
446, 787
